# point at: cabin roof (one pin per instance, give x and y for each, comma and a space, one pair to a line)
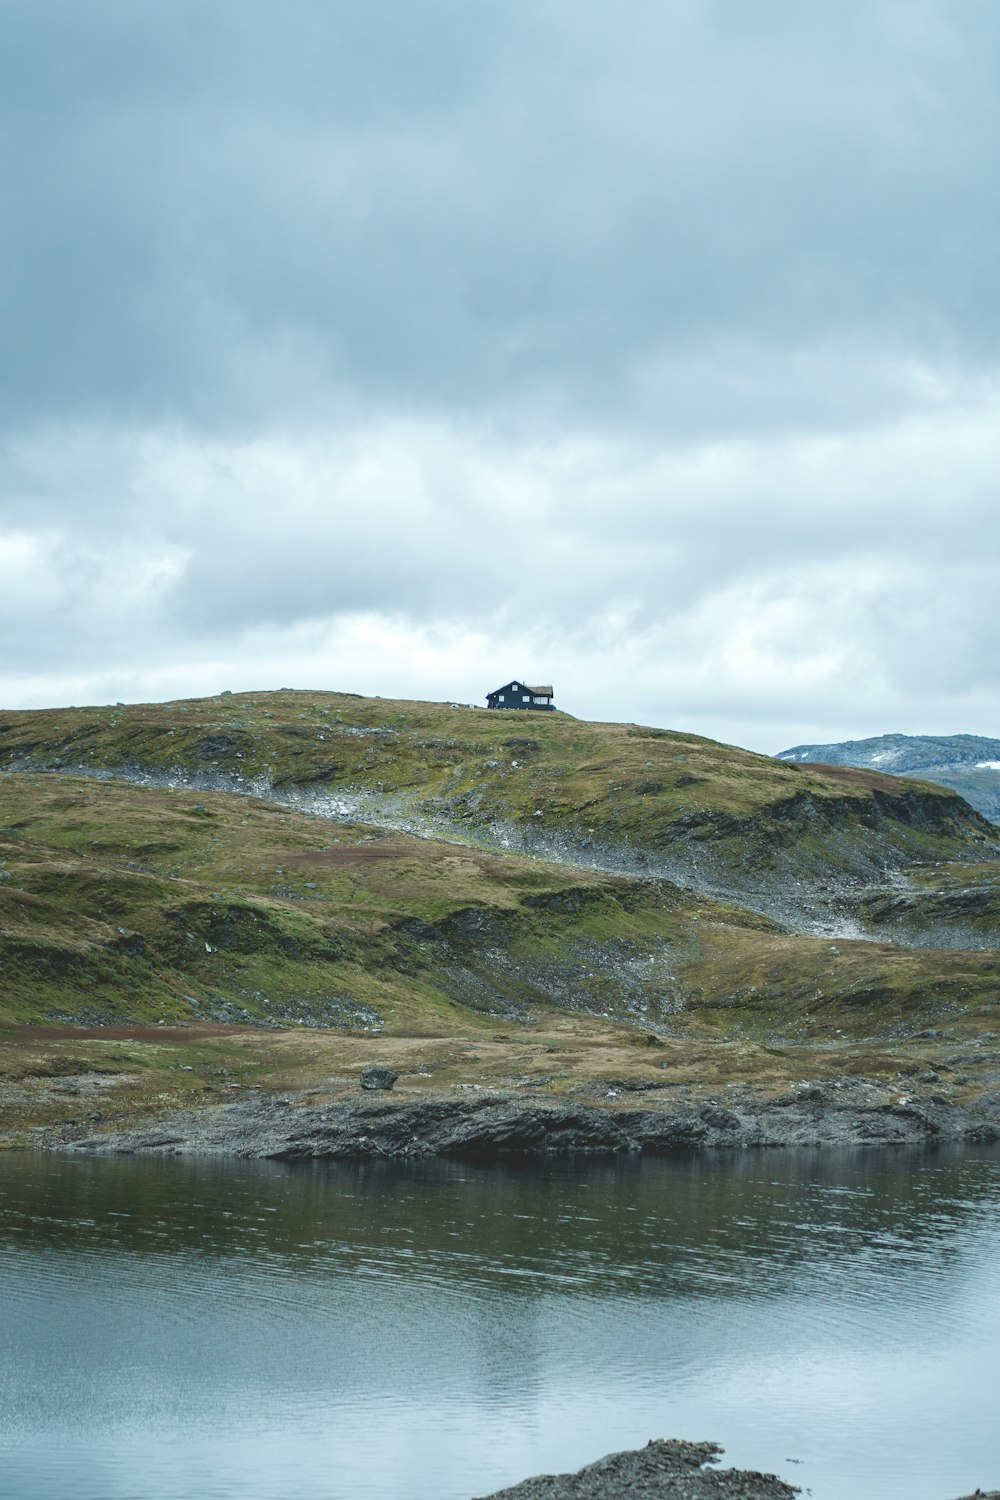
537, 692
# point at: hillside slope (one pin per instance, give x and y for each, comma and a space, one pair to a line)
806, 846
121, 904
966, 763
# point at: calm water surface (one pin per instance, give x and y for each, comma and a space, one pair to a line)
229, 1331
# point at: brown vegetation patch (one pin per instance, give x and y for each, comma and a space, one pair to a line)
875, 781
354, 854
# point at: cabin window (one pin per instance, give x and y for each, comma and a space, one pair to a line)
501, 697
526, 698
541, 700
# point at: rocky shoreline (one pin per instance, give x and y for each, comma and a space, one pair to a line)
489, 1125
662, 1471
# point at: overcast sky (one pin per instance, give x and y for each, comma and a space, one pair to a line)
648, 349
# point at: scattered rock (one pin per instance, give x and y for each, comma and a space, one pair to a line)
377, 1077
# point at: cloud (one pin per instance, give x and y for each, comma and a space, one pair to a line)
652, 351
227, 216
743, 584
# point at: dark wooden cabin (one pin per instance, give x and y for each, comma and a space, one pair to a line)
518, 694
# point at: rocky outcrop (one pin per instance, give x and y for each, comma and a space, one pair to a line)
487, 1126
660, 1471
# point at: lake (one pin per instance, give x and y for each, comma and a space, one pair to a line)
213, 1330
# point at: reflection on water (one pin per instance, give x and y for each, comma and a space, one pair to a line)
209, 1329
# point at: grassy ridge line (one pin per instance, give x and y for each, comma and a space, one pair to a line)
635, 782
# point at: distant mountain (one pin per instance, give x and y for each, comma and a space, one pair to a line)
968, 763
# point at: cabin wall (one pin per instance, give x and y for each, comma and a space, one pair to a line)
516, 700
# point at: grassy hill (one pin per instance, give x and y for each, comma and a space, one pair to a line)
782, 838
227, 923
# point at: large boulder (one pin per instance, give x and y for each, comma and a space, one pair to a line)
377, 1077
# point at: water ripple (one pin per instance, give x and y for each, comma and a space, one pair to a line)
172, 1329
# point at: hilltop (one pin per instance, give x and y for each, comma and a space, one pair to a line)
966, 763
802, 844
272, 888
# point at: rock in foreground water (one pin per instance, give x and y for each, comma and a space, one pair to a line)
663, 1470
660, 1471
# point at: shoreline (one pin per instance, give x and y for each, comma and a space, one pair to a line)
487, 1125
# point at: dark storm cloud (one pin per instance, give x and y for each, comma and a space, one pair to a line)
227, 214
